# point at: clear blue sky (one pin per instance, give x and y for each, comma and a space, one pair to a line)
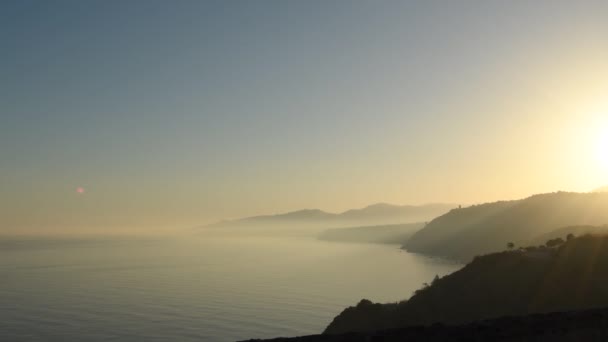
174, 113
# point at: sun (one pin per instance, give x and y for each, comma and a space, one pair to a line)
595, 137
588, 149
602, 148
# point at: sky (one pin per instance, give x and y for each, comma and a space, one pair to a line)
123, 116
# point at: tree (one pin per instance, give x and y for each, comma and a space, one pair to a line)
555, 242
510, 245
569, 237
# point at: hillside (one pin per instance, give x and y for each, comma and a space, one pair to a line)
574, 230
586, 325
466, 232
571, 277
392, 233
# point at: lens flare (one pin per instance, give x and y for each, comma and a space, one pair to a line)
80, 190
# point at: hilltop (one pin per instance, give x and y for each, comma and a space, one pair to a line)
464, 233
574, 230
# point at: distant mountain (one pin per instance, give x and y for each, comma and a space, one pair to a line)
570, 277
391, 233
302, 215
480, 229
375, 214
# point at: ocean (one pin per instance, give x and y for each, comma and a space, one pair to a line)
194, 289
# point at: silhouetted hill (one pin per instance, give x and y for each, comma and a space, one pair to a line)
573, 276
376, 214
574, 230
586, 325
392, 233
466, 232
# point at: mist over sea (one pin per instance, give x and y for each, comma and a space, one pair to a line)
201, 289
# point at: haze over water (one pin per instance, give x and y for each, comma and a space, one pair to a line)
158, 120
216, 289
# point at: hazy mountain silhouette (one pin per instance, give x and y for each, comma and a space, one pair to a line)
466, 232
305, 214
375, 214
570, 277
391, 233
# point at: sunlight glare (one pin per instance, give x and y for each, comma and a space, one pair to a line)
602, 148
597, 135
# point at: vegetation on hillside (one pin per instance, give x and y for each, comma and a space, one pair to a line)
570, 275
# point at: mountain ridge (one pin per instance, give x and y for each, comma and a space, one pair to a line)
377, 213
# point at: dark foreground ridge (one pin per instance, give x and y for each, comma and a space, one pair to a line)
588, 326
549, 293
570, 277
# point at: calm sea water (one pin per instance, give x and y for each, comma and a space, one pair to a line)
203, 289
